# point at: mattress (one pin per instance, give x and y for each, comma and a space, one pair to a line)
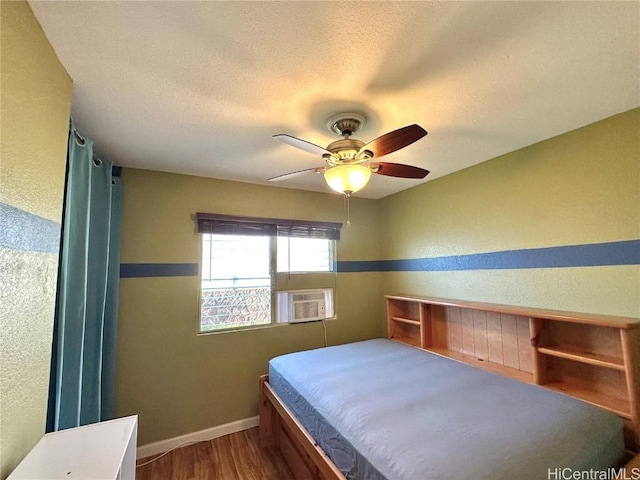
382, 410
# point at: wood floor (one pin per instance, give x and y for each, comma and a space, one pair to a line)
233, 457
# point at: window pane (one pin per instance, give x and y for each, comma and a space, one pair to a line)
305, 254
236, 281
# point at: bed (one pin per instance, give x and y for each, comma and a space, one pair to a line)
380, 410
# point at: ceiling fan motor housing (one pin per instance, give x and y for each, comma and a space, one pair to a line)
346, 151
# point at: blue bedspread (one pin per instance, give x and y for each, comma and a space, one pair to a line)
382, 410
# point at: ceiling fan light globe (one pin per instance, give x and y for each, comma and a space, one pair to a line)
347, 178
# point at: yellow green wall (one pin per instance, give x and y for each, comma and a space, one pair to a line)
579, 188
35, 96
582, 187
177, 381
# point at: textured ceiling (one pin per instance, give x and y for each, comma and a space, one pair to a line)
200, 87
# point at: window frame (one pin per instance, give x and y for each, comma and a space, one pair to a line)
208, 223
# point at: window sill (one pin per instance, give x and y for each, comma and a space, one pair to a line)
260, 327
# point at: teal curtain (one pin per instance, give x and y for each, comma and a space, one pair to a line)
81, 389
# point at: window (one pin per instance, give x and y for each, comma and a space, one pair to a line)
242, 258
305, 254
236, 281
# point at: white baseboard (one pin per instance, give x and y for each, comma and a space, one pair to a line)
200, 436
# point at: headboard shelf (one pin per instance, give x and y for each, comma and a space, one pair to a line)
549, 314
526, 377
588, 356
571, 353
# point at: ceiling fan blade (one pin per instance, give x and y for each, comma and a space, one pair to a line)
301, 144
298, 172
392, 141
398, 170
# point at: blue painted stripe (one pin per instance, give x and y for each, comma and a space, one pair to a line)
590, 255
137, 270
20, 230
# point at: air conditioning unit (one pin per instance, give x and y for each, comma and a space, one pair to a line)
294, 306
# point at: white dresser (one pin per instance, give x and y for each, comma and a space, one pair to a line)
100, 451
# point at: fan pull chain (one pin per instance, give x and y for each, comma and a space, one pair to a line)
346, 207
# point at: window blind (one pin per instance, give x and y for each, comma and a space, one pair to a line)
235, 225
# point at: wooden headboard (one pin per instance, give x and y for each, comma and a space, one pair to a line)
594, 358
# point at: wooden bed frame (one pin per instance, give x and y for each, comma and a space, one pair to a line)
278, 426
594, 358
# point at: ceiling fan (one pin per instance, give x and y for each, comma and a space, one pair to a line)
350, 162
